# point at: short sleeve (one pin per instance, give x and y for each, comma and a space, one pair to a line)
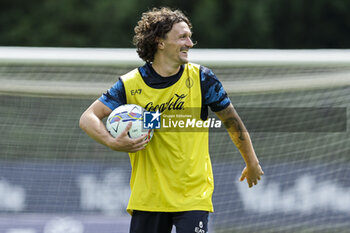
213, 93
115, 96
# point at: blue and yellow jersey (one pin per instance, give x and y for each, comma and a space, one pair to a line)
173, 173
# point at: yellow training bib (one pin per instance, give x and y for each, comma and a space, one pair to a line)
173, 173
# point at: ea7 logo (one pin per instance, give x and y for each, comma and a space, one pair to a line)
136, 91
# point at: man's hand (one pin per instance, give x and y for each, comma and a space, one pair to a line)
252, 174
124, 143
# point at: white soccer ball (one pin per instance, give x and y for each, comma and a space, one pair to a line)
121, 116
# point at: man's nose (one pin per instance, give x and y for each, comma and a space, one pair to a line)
189, 42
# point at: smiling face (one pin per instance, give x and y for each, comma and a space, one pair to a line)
174, 48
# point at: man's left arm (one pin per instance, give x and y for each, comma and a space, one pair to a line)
240, 136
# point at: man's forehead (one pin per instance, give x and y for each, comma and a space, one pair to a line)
181, 27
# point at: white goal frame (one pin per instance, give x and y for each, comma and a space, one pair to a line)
208, 57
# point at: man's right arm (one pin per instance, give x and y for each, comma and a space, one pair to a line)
91, 123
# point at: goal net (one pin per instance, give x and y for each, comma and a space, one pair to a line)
53, 177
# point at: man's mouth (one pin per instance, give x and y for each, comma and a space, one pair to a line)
184, 51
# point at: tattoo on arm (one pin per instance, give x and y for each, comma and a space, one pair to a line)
233, 122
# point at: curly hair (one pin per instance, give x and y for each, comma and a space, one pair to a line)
155, 24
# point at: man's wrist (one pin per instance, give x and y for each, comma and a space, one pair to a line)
110, 142
253, 163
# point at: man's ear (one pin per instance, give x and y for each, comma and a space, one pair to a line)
160, 43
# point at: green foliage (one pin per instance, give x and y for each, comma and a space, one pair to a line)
219, 24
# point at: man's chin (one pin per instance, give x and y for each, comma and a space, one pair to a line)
184, 61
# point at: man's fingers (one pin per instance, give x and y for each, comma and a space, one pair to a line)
141, 138
139, 143
242, 177
251, 176
250, 184
136, 149
127, 128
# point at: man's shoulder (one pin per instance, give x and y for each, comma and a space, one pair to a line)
131, 74
203, 70
207, 75
195, 66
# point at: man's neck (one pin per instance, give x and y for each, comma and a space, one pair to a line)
164, 69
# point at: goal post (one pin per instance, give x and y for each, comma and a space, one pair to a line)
334, 61
295, 104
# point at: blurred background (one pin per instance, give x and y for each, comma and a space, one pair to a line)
288, 24
285, 65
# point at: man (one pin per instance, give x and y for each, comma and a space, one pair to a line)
171, 181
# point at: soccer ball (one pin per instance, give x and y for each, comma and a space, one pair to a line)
121, 116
